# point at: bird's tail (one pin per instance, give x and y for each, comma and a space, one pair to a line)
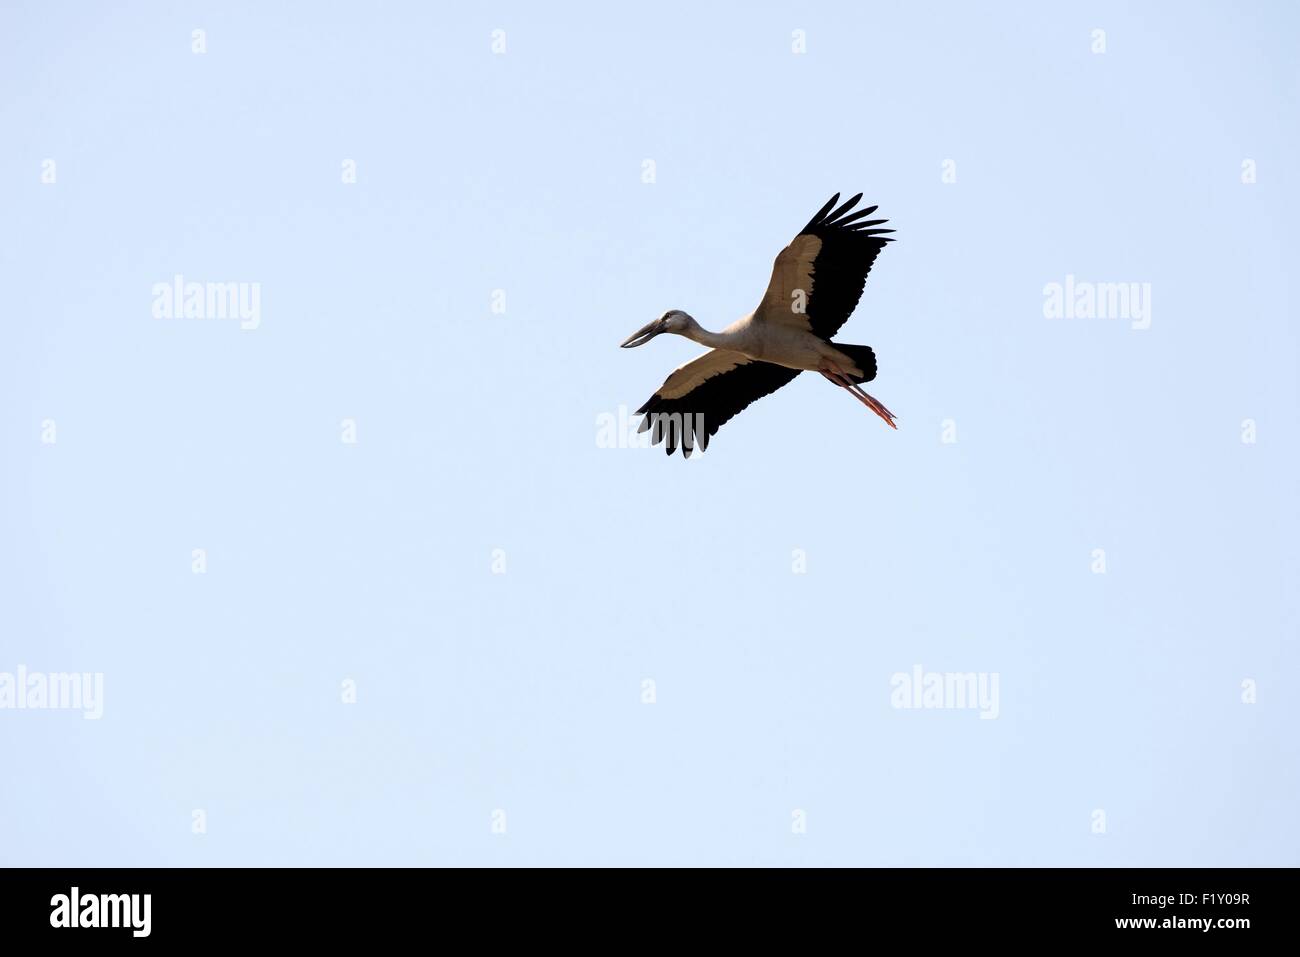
862, 357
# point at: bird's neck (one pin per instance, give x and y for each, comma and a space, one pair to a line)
714, 340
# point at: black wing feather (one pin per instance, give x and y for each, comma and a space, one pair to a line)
691, 420
840, 268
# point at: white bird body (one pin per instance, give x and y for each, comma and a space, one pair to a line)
783, 345
746, 340
816, 283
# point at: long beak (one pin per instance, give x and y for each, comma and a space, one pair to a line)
643, 335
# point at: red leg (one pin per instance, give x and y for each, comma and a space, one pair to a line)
841, 379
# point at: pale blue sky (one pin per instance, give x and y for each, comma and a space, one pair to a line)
477, 431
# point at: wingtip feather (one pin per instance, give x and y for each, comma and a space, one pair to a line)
831, 219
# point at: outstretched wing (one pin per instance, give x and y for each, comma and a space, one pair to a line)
700, 396
817, 280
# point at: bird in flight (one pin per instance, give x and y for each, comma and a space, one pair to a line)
815, 286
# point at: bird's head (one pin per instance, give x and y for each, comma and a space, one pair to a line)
674, 320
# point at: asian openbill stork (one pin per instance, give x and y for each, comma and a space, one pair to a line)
815, 286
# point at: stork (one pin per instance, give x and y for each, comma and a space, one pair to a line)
815, 286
